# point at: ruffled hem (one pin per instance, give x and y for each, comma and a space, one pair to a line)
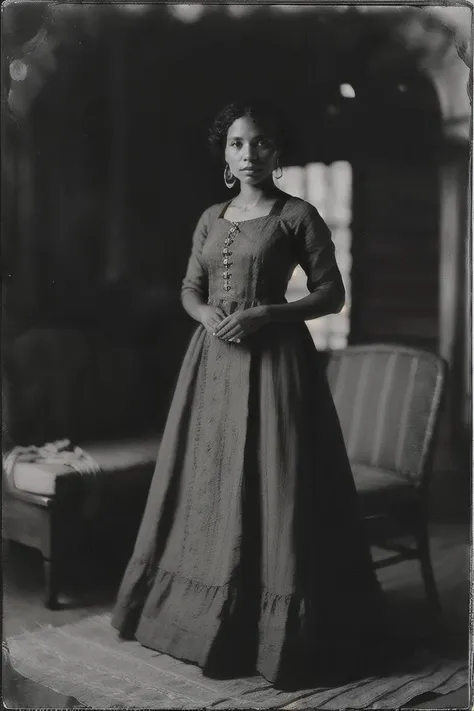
200, 623
183, 618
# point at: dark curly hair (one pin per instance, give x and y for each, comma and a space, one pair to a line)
257, 110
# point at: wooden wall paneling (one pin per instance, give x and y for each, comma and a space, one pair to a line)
454, 329
395, 251
119, 104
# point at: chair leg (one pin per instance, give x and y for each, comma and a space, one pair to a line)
51, 581
431, 589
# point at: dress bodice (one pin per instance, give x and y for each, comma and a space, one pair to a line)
242, 264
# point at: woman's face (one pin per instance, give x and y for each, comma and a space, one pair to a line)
250, 151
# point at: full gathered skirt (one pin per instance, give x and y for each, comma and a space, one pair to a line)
251, 555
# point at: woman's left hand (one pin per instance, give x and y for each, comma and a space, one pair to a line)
242, 323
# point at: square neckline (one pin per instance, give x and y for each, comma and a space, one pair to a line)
277, 207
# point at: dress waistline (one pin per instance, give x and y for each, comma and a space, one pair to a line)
230, 304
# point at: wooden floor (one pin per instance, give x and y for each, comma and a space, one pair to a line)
92, 586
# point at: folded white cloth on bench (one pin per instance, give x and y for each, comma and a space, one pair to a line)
59, 452
34, 462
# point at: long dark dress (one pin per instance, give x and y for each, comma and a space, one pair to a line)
251, 553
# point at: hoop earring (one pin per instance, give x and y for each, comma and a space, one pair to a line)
229, 178
278, 168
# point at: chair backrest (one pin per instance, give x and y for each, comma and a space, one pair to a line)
388, 399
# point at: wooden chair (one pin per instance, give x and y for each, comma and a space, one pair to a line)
388, 400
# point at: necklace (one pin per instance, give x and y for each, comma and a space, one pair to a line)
246, 208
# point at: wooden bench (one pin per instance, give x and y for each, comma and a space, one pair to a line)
51, 507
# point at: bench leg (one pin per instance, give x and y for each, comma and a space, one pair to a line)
51, 582
50, 548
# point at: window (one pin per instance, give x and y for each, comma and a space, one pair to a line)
329, 189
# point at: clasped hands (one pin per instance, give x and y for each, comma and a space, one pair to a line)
235, 327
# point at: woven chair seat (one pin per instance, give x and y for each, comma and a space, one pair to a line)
380, 489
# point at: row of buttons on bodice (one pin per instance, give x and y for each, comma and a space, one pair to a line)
226, 255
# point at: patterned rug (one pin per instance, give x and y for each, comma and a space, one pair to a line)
87, 661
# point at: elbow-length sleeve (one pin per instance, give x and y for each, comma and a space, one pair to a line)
196, 278
316, 255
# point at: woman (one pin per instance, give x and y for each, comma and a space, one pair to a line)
251, 554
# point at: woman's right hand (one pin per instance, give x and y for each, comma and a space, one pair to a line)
210, 317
